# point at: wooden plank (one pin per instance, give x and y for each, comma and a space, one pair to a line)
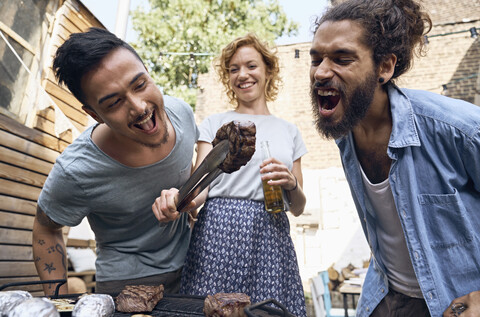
17, 38
84, 273
79, 117
47, 114
14, 189
18, 205
21, 175
80, 243
24, 161
72, 28
16, 253
63, 34
25, 146
13, 236
89, 18
35, 289
62, 94
76, 18
16, 221
17, 268
49, 127
33, 135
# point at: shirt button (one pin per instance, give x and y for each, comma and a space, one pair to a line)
365, 219
404, 214
367, 309
430, 295
416, 255
382, 290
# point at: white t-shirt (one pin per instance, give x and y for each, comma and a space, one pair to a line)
391, 240
286, 145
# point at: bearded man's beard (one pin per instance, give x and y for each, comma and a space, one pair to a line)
356, 105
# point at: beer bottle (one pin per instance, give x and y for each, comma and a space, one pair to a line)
273, 195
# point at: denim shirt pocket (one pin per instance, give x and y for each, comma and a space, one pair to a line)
446, 219
450, 235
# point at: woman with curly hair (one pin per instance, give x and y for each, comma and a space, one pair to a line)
237, 246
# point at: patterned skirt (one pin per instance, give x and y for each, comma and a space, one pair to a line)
237, 246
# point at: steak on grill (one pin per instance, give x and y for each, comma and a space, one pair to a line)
241, 138
139, 298
226, 305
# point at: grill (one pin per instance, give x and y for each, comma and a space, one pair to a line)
174, 305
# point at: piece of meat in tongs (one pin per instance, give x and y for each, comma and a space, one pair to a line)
241, 137
233, 147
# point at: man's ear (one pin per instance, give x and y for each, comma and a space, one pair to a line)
387, 67
92, 113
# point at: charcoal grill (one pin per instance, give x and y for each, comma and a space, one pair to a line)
173, 305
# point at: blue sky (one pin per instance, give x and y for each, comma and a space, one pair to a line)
301, 11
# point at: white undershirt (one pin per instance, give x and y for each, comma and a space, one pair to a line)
391, 240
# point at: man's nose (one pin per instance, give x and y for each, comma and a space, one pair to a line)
323, 72
137, 105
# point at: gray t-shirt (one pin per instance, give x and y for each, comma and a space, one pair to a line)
285, 142
117, 200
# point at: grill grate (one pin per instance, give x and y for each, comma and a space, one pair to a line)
172, 305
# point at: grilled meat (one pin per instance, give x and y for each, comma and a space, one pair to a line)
241, 137
139, 298
226, 305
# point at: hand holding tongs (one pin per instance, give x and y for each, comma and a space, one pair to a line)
203, 175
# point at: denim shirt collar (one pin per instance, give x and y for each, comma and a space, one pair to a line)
404, 132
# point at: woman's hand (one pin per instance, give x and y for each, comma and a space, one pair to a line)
278, 173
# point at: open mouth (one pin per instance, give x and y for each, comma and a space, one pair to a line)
328, 98
147, 123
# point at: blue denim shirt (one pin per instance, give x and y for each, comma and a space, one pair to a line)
435, 180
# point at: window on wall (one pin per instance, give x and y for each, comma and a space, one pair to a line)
21, 27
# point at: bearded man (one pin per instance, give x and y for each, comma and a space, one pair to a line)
410, 157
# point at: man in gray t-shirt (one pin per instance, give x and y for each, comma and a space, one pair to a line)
112, 173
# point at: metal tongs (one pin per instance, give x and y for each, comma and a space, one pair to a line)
203, 175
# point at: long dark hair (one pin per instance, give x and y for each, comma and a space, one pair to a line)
390, 27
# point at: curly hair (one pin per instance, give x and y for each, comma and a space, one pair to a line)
271, 61
80, 53
390, 27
